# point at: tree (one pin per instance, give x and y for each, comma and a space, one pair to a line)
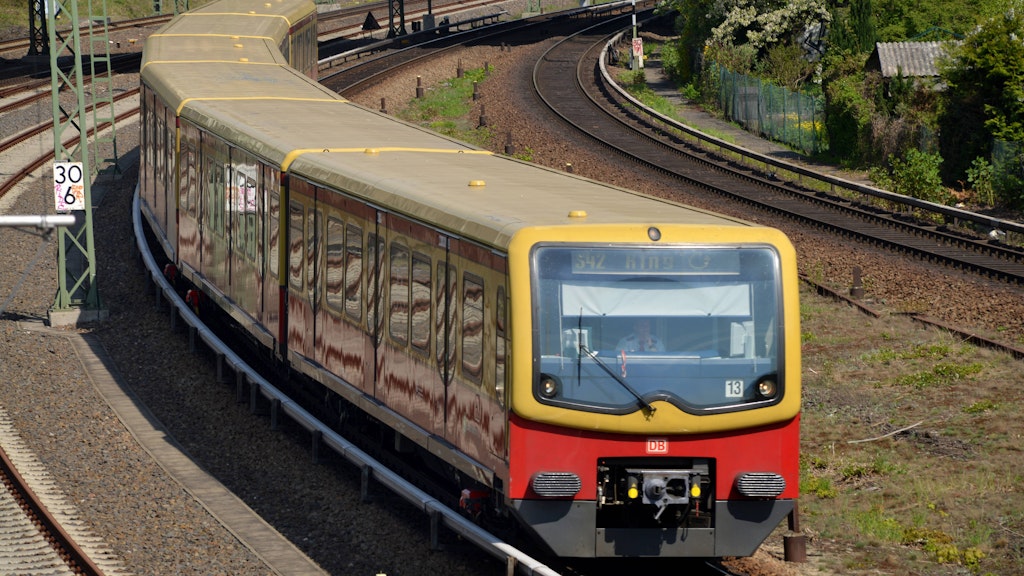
760, 24
863, 23
984, 98
765, 24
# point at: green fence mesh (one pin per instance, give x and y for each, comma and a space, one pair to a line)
774, 112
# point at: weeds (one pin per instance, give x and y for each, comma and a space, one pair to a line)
444, 109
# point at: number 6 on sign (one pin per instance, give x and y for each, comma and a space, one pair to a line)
68, 186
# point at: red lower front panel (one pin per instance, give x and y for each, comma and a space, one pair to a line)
670, 496
542, 448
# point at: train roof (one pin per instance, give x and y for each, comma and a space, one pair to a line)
485, 197
246, 95
280, 127
235, 83
270, 18
164, 48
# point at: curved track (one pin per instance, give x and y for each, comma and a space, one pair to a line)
34, 539
589, 104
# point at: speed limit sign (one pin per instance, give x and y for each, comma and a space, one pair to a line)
68, 186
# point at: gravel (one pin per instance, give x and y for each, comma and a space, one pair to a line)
157, 528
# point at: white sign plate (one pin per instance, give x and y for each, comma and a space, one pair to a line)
68, 186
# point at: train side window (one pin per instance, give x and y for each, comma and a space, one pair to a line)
472, 326
296, 221
354, 272
421, 301
146, 102
158, 167
335, 273
193, 181
233, 200
500, 357
242, 202
215, 191
273, 236
209, 187
252, 210
187, 175
398, 300
216, 157
311, 236
445, 318
374, 281
168, 184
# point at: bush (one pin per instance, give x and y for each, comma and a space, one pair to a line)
981, 177
916, 175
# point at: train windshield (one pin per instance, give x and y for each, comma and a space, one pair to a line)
617, 328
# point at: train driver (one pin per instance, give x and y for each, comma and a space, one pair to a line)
641, 340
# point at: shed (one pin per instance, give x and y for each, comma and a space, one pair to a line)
912, 59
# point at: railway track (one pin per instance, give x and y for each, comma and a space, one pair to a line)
360, 75
591, 104
42, 533
19, 46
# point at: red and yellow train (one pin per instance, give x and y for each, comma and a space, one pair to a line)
475, 304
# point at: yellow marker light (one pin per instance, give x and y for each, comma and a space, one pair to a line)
371, 152
695, 491
243, 60
633, 492
578, 214
477, 183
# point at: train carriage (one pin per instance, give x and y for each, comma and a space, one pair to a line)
476, 306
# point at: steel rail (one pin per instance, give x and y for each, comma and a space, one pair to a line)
38, 162
69, 550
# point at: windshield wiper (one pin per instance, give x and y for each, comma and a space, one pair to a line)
640, 399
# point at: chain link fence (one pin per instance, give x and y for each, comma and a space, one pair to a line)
774, 112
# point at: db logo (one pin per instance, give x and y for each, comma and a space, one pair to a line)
657, 446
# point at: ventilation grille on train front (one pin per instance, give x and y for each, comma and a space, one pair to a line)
761, 484
555, 484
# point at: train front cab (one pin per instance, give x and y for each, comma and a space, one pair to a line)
686, 450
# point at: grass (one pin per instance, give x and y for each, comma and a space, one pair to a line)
448, 107
941, 497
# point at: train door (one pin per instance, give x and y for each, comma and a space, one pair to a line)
408, 381
476, 420
301, 260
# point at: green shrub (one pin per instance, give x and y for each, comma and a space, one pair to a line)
917, 175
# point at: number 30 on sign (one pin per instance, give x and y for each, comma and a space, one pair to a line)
68, 186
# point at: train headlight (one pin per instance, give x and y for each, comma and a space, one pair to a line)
767, 389
548, 386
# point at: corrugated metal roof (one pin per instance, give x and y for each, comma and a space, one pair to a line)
912, 59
